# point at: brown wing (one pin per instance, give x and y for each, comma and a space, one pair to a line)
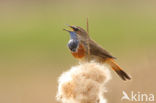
97, 50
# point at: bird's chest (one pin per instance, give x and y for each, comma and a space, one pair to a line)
77, 49
80, 52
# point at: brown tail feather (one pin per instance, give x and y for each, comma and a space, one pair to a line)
118, 70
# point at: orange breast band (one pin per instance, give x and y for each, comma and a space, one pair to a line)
80, 52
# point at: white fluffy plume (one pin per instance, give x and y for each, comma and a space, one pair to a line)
84, 83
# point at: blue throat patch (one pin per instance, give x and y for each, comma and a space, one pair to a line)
73, 42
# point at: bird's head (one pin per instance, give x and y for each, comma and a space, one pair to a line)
80, 32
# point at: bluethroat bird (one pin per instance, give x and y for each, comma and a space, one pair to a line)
85, 49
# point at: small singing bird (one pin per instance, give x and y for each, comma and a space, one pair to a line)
85, 49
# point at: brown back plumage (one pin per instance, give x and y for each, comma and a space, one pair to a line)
97, 50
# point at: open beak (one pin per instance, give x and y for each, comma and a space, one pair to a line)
74, 28
70, 26
66, 30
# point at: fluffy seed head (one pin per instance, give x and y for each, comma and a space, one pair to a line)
84, 83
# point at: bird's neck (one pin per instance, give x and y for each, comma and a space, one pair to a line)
73, 36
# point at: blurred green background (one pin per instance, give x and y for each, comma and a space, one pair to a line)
33, 51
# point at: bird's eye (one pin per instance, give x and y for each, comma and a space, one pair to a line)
76, 29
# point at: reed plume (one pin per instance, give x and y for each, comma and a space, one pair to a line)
84, 83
